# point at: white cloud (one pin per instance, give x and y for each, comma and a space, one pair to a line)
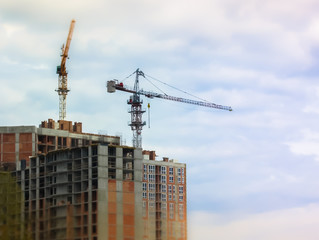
307, 145
294, 224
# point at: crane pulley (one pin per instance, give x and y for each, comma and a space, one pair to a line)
136, 104
63, 74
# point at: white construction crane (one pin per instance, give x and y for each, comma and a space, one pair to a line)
136, 104
63, 75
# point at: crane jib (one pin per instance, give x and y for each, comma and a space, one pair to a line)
112, 85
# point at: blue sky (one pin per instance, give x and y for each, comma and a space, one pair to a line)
253, 172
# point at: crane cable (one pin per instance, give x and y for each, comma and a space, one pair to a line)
176, 89
155, 86
128, 76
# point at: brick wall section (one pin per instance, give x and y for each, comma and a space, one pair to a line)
8, 148
25, 146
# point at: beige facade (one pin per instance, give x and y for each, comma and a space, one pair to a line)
164, 198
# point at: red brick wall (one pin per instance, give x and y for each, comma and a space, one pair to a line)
7, 148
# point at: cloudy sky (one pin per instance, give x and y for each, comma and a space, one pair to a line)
253, 172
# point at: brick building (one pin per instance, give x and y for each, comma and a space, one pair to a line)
164, 198
21, 142
87, 186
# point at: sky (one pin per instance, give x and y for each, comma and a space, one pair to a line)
251, 173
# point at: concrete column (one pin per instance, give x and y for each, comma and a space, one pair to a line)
1, 143
90, 194
34, 144
37, 206
102, 193
119, 193
138, 216
17, 150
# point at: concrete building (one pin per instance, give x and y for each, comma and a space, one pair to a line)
86, 186
21, 142
91, 192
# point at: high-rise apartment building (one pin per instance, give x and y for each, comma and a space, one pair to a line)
86, 186
91, 192
164, 198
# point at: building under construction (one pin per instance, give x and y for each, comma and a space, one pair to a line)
87, 186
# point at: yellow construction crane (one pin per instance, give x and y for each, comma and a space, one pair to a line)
63, 75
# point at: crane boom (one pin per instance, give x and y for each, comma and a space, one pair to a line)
114, 85
65, 50
63, 74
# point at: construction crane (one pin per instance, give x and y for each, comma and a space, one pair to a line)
63, 75
136, 104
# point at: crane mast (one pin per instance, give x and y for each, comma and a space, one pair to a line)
63, 74
136, 104
136, 112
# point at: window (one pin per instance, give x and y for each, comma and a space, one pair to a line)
151, 187
163, 197
178, 171
145, 168
144, 209
163, 170
180, 198
171, 179
151, 168
70, 166
145, 176
181, 188
144, 186
182, 171
170, 197
151, 205
171, 210
179, 179
181, 211
163, 188
170, 188
171, 171
151, 196
144, 195
173, 188
151, 177
183, 181
163, 179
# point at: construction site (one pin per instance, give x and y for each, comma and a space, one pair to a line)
81, 186
86, 186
